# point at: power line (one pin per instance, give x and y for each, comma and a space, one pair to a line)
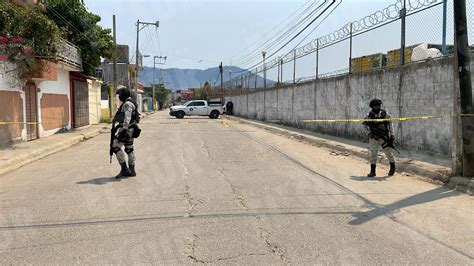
281, 34
315, 28
266, 34
301, 31
294, 37
286, 34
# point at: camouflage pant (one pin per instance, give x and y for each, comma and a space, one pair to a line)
117, 148
374, 150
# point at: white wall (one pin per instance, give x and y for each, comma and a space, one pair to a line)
8, 81
94, 101
60, 86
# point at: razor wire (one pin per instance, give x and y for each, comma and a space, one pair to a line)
377, 19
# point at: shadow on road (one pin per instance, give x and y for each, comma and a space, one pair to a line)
428, 196
100, 181
365, 178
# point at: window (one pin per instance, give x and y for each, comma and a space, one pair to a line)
199, 104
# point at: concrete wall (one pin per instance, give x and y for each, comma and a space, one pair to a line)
94, 101
416, 90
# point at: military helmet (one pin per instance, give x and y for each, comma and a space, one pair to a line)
375, 102
123, 94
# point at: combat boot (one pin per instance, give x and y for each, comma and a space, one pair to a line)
124, 172
132, 170
392, 169
372, 171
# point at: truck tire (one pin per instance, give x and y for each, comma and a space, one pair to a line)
180, 115
214, 114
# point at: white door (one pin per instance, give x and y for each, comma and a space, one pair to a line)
201, 108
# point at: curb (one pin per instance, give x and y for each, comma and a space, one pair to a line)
462, 184
408, 166
22, 160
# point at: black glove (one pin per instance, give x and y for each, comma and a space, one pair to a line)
392, 138
122, 135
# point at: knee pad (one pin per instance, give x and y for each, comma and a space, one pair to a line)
115, 150
129, 150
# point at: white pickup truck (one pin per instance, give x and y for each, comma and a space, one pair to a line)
197, 108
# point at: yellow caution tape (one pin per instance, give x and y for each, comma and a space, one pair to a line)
385, 119
29, 123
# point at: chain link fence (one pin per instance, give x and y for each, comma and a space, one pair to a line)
370, 43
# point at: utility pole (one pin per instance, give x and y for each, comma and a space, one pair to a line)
154, 67
137, 53
114, 90
465, 87
221, 71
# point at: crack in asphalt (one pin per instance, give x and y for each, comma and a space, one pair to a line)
273, 247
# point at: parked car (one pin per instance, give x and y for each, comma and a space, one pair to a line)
197, 108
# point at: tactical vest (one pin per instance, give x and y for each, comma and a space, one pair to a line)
380, 125
120, 116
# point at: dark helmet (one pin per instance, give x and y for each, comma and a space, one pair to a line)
375, 102
123, 94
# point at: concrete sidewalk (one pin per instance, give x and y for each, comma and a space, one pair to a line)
20, 154
432, 169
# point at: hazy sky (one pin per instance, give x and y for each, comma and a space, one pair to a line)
215, 31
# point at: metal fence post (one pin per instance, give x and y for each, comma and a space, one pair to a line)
278, 79
445, 12
294, 66
281, 69
317, 58
256, 76
350, 51
403, 13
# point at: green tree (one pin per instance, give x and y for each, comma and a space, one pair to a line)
161, 93
203, 93
26, 34
81, 28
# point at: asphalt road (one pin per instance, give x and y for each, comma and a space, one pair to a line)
215, 191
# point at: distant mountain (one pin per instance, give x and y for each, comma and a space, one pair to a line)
176, 78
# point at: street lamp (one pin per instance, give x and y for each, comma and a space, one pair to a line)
264, 71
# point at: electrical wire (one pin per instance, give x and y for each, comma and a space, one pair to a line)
285, 35
294, 37
266, 34
282, 34
315, 28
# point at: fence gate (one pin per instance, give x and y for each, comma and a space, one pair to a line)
31, 111
81, 103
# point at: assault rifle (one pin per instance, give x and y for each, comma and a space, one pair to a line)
112, 136
382, 134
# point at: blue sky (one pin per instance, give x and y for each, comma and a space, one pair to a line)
215, 31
